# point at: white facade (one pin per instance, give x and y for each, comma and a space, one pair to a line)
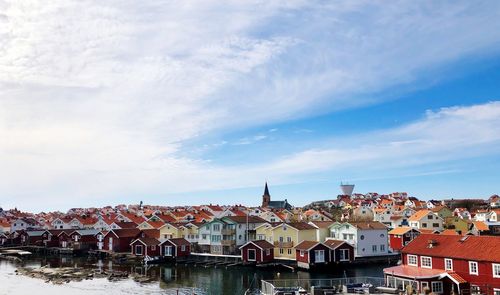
366, 242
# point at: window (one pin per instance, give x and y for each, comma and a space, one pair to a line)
302, 252
345, 236
424, 285
496, 291
319, 256
496, 270
437, 287
374, 248
289, 239
448, 264
153, 248
281, 251
424, 224
412, 260
362, 237
382, 248
216, 227
429, 217
138, 249
183, 248
473, 268
204, 236
382, 235
168, 250
426, 262
435, 225
289, 251
344, 254
268, 251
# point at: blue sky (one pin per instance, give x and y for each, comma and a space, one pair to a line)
185, 103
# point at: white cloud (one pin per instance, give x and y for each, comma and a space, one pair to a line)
97, 98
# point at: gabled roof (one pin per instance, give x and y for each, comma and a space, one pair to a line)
307, 245
125, 233
297, 225
243, 219
177, 242
481, 226
334, 244
368, 225
419, 215
261, 244
479, 248
146, 241
322, 224
125, 225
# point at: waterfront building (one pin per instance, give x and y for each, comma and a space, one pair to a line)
449, 263
285, 236
311, 253
145, 246
368, 238
118, 240
259, 251
175, 247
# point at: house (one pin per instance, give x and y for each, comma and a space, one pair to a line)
4, 226
401, 236
322, 229
368, 238
175, 247
171, 230
241, 228
340, 251
35, 237
23, 224
462, 213
84, 239
60, 223
442, 211
311, 253
449, 263
259, 251
145, 246
426, 219
118, 240
286, 235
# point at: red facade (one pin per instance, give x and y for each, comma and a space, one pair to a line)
399, 237
145, 247
119, 240
257, 252
464, 265
174, 248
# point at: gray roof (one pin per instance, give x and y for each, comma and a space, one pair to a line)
88, 232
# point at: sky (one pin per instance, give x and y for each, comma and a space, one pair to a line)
196, 102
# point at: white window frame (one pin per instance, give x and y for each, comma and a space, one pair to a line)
412, 256
142, 250
302, 252
496, 291
495, 275
446, 260
168, 253
422, 262
438, 283
254, 255
423, 285
476, 273
316, 252
346, 257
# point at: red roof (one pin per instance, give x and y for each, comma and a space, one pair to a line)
480, 248
178, 241
413, 272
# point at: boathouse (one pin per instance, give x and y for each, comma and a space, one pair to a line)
175, 247
257, 252
340, 251
311, 253
145, 247
401, 236
118, 240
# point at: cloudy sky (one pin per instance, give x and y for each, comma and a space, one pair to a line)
188, 102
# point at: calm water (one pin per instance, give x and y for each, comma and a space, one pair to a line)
167, 279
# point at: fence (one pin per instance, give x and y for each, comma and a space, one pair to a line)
271, 287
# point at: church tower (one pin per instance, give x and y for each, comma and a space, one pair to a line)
266, 197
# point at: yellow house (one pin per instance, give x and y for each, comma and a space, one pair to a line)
171, 230
323, 229
264, 232
286, 236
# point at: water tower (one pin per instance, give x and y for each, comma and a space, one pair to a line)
346, 189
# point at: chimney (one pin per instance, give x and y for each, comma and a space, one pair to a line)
432, 243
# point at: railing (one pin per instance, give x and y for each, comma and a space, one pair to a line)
228, 242
228, 231
272, 286
283, 244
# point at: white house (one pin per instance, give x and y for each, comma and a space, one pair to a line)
426, 219
368, 238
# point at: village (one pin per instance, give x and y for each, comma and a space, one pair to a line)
441, 246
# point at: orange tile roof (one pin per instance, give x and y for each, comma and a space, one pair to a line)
419, 215
400, 230
480, 225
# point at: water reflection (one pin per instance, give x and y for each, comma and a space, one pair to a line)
206, 280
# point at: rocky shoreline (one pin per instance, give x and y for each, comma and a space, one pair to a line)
70, 274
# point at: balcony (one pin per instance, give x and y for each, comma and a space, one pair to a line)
228, 232
228, 242
283, 244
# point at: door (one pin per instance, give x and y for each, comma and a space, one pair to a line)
319, 255
168, 250
110, 244
251, 255
64, 244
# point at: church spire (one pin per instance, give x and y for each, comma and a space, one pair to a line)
266, 190
266, 197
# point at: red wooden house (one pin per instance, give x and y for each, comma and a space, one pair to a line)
36, 237
340, 251
311, 253
84, 239
257, 252
449, 263
173, 248
118, 240
401, 236
145, 247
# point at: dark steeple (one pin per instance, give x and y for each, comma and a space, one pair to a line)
266, 197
